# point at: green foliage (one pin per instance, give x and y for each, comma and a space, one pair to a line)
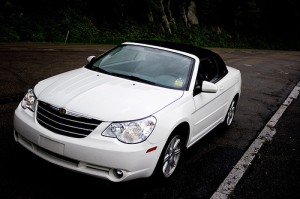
228, 24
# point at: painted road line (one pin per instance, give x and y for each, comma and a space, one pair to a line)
266, 135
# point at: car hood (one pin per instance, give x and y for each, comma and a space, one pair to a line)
104, 97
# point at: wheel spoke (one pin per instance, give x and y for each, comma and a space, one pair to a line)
176, 143
177, 151
166, 168
230, 113
167, 157
171, 156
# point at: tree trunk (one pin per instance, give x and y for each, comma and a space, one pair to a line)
183, 14
161, 15
157, 15
169, 14
192, 13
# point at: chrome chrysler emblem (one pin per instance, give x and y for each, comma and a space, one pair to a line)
62, 111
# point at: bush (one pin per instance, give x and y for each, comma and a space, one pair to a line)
80, 29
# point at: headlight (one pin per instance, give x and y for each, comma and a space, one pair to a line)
29, 100
131, 132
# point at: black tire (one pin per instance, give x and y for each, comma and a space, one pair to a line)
230, 114
169, 157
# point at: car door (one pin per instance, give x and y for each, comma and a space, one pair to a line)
209, 107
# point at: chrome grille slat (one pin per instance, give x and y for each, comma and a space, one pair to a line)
69, 124
68, 119
61, 124
67, 132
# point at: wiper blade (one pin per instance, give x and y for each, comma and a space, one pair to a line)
130, 77
96, 68
103, 71
138, 79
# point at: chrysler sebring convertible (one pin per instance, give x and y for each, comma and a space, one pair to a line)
131, 112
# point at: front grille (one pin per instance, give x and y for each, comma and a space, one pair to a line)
65, 122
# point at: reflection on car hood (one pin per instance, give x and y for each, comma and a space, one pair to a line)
105, 97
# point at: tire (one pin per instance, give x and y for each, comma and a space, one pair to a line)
170, 157
230, 114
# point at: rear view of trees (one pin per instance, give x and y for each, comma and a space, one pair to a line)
223, 23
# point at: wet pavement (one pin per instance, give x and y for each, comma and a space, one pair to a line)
275, 171
268, 77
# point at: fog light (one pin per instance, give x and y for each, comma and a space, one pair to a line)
118, 173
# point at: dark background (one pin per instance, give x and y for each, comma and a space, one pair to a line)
267, 24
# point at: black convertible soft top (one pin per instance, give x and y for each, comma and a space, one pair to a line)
195, 50
191, 49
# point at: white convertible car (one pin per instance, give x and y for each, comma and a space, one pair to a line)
130, 112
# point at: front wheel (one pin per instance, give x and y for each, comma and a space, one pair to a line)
170, 156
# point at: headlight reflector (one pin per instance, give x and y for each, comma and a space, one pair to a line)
131, 132
29, 100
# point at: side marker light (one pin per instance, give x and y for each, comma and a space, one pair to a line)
151, 149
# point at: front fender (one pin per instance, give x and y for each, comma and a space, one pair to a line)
172, 116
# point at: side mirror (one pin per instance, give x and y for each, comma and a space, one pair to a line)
207, 87
90, 58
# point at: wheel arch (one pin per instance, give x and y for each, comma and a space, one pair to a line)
184, 130
236, 98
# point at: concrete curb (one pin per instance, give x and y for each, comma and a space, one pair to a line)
228, 185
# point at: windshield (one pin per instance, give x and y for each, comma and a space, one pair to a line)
147, 65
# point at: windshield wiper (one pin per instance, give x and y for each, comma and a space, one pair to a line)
138, 79
130, 77
101, 70
96, 68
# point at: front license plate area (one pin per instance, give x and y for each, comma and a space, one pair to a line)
52, 145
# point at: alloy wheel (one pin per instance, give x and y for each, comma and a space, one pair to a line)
171, 156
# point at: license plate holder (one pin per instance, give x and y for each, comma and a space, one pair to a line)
52, 145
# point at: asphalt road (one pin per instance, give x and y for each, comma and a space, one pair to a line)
267, 79
275, 170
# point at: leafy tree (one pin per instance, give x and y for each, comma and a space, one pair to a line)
258, 23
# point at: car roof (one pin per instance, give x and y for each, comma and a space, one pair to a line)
191, 49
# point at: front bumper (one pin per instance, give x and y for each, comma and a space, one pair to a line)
94, 155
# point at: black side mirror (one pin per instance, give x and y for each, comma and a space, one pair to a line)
197, 90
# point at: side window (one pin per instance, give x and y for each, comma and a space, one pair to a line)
209, 69
221, 66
